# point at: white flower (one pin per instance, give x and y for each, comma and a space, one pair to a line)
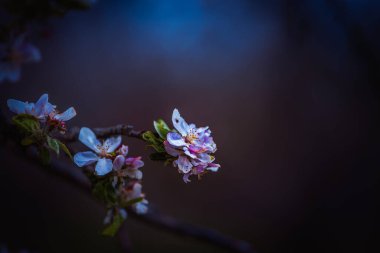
102, 151
42, 109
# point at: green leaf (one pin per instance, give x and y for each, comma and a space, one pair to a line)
161, 128
154, 141
53, 144
104, 191
65, 149
27, 141
112, 228
159, 148
44, 155
26, 123
149, 137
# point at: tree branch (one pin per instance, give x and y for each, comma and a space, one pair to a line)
161, 221
104, 132
153, 218
208, 235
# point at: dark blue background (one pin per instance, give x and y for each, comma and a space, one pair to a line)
289, 88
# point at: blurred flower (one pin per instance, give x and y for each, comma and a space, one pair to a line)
108, 217
42, 110
123, 150
134, 192
111, 213
193, 146
132, 167
128, 166
14, 55
104, 152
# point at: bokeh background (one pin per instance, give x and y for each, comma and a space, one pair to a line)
289, 88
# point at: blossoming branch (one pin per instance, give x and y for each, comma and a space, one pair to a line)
115, 176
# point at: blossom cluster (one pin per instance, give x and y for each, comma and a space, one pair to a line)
188, 148
116, 172
192, 146
115, 176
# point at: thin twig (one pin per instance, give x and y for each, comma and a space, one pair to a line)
104, 132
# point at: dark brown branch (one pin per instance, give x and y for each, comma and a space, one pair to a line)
104, 132
208, 235
161, 221
154, 218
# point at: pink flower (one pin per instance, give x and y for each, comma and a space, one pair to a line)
193, 146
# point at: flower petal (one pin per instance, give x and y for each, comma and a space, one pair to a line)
103, 166
134, 162
133, 173
119, 162
141, 207
213, 167
170, 150
85, 158
205, 158
189, 153
49, 108
16, 106
201, 130
40, 106
199, 169
66, 115
111, 144
139, 174
29, 108
88, 138
136, 191
186, 178
108, 218
123, 150
123, 213
179, 123
175, 139
184, 165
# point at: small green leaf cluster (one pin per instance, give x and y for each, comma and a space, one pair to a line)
34, 133
116, 219
156, 141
